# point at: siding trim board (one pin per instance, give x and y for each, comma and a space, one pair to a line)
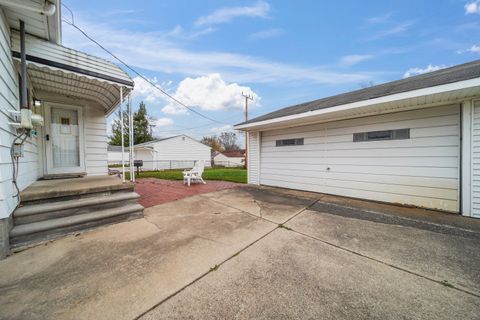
423, 170
472, 160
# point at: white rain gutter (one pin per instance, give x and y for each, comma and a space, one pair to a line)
460, 85
48, 9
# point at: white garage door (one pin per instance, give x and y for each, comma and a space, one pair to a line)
409, 157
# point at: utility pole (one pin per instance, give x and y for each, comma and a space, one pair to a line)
247, 97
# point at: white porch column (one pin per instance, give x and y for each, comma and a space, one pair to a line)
466, 154
131, 151
121, 128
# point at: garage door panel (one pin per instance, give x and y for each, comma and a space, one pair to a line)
428, 172
347, 143
444, 162
438, 126
444, 115
439, 183
422, 170
367, 152
421, 201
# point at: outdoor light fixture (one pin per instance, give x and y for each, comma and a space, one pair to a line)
36, 102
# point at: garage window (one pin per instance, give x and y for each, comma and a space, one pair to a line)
289, 142
382, 135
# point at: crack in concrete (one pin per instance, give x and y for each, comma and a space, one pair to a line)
243, 211
260, 208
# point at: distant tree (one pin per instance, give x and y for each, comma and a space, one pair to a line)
116, 137
213, 142
142, 128
228, 140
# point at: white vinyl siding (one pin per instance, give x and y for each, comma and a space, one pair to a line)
421, 171
29, 165
475, 161
174, 153
253, 154
147, 157
96, 141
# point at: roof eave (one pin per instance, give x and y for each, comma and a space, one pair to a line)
460, 85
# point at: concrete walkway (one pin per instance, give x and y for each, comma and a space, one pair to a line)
252, 253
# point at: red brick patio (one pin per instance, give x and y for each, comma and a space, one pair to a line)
154, 191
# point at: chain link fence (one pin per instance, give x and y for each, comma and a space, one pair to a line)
160, 165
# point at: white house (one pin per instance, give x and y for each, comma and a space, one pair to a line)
114, 154
175, 152
414, 141
229, 158
53, 106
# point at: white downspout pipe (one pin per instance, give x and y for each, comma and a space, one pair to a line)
122, 139
132, 169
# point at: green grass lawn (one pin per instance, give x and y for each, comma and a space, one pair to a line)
238, 175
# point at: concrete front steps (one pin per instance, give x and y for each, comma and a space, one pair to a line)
42, 217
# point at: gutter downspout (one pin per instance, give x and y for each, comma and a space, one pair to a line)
25, 112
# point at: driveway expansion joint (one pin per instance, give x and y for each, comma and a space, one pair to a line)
212, 269
218, 265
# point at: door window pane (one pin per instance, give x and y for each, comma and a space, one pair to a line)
65, 138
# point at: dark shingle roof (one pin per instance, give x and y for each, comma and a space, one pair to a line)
444, 76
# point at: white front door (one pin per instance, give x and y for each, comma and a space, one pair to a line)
64, 140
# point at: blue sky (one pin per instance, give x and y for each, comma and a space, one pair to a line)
206, 53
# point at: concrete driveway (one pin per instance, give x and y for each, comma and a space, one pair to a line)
258, 253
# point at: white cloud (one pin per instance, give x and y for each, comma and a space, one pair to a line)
209, 93
416, 71
162, 122
472, 7
473, 49
379, 19
180, 33
223, 15
146, 92
353, 59
397, 30
265, 34
159, 126
156, 51
225, 128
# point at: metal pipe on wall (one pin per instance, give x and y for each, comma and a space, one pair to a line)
23, 67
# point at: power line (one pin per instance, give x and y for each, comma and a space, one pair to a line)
135, 71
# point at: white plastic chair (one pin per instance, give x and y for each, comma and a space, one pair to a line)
195, 174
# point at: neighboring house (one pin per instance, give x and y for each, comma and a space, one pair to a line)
73, 92
414, 141
234, 158
114, 155
175, 152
